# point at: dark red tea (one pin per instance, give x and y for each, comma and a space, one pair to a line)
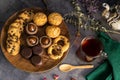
91, 46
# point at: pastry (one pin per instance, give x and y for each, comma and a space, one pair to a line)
21, 24
32, 40
45, 41
18, 23
55, 51
13, 38
40, 19
26, 16
13, 31
13, 48
63, 41
26, 52
31, 28
37, 50
36, 60
53, 31
55, 19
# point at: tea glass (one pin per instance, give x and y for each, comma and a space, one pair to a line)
90, 48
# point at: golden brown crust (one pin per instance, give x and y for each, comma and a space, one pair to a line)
57, 53
45, 41
53, 31
26, 16
66, 44
13, 48
40, 19
32, 40
55, 19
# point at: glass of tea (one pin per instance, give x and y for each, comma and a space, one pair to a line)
90, 48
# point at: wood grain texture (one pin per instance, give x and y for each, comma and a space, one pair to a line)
18, 61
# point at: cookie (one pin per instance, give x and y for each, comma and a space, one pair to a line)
26, 16
26, 52
55, 19
13, 48
13, 31
55, 51
37, 50
12, 38
40, 19
36, 60
53, 31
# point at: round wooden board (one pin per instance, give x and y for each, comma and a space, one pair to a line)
18, 61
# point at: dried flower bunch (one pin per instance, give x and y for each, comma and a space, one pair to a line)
95, 25
91, 6
77, 17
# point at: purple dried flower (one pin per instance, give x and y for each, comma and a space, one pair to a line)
91, 6
55, 76
44, 78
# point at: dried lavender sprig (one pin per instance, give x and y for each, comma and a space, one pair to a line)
97, 26
91, 6
104, 30
78, 14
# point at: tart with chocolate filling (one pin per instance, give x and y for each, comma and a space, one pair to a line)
32, 40
31, 28
45, 41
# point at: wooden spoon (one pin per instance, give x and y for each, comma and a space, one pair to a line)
68, 67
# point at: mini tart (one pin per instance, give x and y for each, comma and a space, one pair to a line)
36, 60
26, 52
37, 50
32, 40
55, 19
31, 28
53, 31
40, 19
45, 41
55, 51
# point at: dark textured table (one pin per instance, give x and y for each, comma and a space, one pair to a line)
8, 72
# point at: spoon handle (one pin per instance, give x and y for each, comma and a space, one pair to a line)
85, 66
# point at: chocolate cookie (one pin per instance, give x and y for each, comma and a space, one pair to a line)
36, 60
37, 50
26, 52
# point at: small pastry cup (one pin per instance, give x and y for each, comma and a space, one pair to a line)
31, 28
32, 40
45, 41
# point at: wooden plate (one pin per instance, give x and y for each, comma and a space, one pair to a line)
18, 61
